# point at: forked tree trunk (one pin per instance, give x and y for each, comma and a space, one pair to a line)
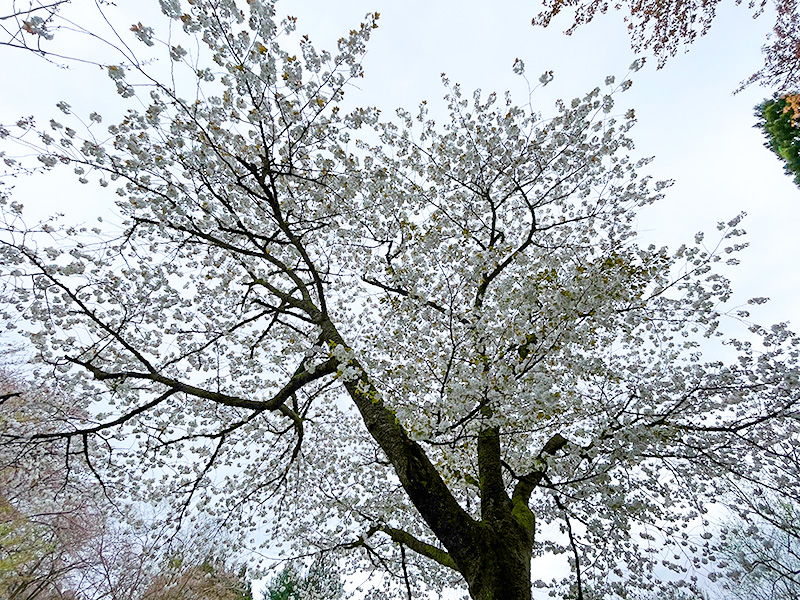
493, 554
502, 567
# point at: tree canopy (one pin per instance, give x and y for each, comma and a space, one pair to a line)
778, 119
437, 348
664, 26
320, 582
761, 549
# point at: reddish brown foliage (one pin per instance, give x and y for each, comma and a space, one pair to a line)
663, 26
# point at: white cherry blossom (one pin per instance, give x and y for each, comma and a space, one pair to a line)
436, 348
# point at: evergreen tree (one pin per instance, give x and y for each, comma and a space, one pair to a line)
778, 119
320, 582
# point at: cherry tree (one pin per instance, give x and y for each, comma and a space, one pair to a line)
664, 26
27, 24
437, 349
781, 69
57, 535
61, 536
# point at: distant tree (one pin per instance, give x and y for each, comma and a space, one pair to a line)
761, 549
212, 579
319, 582
779, 119
781, 70
663, 26
48, 516
62, 538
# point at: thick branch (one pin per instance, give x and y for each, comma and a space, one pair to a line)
418, 546
300, 378
425, 488
495, 503
528, 482
406, 294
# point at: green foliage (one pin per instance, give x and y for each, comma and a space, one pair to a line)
781, 129
283, 586
320, 582
23, 548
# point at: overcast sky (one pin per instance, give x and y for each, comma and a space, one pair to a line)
700, 134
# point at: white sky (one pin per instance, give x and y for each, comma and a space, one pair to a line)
701, 135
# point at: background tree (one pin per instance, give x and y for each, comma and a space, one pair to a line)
47, 518
320, 582
764, 557
778, 119
62, 537
762, 541
781, 70
420, 344
663, 26
212, 579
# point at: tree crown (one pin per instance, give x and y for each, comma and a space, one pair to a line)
407, 335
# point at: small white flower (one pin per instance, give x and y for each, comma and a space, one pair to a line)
177, 52
145, 34
37, 26
171, 8
116, 72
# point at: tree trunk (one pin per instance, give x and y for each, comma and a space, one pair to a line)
493, 554
501, 567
